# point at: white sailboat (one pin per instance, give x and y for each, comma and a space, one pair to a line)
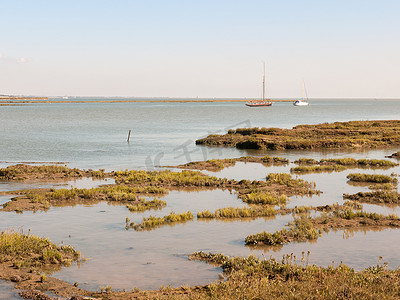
302, 102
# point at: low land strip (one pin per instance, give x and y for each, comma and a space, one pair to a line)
353, 134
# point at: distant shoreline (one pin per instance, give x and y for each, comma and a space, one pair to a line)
20, 101
10, 101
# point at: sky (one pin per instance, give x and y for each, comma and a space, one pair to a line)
207, 48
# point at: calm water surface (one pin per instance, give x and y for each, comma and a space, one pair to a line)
94, 136
7, 291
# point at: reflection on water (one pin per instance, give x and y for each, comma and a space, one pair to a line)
125, 259
7, 291
358, 249
248, 170
80, 183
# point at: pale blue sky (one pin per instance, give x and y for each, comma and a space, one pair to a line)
182, 48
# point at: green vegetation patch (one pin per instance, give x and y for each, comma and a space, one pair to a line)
300, 185
301, 229
26, 250
109, 193
240, 212
153, 222
186, 178
359, 177
24, 172
259, 197
353, 134
219, 164
306, 228
375, 197
317, 169
254, 278
143, 205
307, 165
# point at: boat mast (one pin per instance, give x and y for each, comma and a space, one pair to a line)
304, 90
263, 93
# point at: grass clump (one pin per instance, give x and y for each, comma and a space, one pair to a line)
23, 172
300, 229
153, 222
376, 197
346, 161
143, 205
358, 177
353, 134
109, 193
240, 212
186, 178
287, 180
26, 250
215, 165
306, 228
376, 163
382, 186
338, 164
306, 161
259, 197
254, 278
317, 169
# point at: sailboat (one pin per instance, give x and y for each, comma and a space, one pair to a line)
263, 102
302, 102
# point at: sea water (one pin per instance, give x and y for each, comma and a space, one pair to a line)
94, 135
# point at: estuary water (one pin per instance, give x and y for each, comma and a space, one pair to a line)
93, 135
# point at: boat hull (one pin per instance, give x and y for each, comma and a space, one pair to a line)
249, 104
300, 103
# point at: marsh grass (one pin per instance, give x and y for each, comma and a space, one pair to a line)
22, 172
383, 196
259, 197
353, 134
359, 177
254, 278
299, 185
143, 205
317, 169
109, 193
382, 186
153, 222
219, 164
168, 178
301, 229
306, 228
26, 250
350, 214
309, 165
306, 161
240, 212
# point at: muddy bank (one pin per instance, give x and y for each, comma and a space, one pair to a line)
309, 165
215, 165
23, 172
376, 197
354, 134
28, 261
305, 228
130, 185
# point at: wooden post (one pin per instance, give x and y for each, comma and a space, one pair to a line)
129, 135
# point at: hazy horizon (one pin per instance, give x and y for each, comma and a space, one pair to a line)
207, 49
